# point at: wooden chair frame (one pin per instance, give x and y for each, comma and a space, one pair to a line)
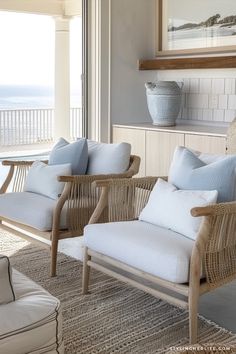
214, 248
79, 195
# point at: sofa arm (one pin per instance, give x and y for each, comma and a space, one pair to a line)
18, 170
216, 242
122, 199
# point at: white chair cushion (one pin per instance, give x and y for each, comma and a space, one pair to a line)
6, 288
108, 158
32, 323
171, 208
152, 249
187, 171
30, 209
42, 179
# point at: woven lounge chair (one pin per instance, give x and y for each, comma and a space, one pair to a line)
75, 205
214, 249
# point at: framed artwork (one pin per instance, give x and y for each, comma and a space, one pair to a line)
196, 26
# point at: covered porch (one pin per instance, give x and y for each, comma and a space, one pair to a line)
36, 128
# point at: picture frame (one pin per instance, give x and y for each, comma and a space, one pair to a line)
209, 28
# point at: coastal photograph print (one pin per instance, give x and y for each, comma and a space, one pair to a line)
196, 26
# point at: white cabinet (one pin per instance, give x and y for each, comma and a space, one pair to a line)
156, 145
160, 147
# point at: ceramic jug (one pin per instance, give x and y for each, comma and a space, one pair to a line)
164, 101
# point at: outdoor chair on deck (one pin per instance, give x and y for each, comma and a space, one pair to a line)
61, 217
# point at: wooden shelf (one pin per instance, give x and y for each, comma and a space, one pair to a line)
188, 63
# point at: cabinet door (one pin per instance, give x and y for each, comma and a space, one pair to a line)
135, 137
207, 144
160, 147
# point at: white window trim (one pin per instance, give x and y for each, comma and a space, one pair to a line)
99, 70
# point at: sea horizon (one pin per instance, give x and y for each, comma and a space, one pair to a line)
30, 97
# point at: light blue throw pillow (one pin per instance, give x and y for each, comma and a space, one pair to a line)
187, 171
76, 154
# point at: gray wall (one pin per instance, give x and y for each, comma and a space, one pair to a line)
132, 38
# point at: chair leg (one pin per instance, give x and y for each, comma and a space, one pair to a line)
193, 299
193, 319
54, 247
86, 272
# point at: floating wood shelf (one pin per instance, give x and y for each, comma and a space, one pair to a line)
188, 63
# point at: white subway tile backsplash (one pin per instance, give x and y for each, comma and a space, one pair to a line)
232, 102
186, 87
223, 101
218, 86
209, 99
194, 86
218, 115
230, 114
197, 101
230, 86
205, 86
213, 101
207, 114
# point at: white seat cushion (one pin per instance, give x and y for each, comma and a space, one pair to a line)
33, 322
147, 247
30, 209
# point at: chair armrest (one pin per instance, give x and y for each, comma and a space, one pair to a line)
18, 171
122, 199
16, 163
216, 242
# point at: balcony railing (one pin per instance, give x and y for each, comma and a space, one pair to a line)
34, 126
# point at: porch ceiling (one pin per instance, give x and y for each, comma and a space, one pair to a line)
62, 8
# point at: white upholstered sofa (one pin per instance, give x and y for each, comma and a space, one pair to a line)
30, 318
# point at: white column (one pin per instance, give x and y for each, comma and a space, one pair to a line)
62, 78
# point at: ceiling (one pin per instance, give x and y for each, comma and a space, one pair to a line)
64, 8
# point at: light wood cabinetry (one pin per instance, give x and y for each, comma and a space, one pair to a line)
210, 144
136, 138
160, 147
156, 145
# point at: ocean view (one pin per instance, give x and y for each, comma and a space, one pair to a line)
21, 97
27, 115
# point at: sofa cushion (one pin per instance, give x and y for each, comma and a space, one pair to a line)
6, 288
171, 208
75, 154
108, 158
32, 323
152, 249
187, 171
30, 209
42, 179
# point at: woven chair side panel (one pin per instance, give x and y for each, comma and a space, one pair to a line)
220, 255
81, 203
126, 199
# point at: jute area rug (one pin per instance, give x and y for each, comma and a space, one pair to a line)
114, 318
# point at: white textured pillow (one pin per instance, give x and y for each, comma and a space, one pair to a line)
42, 179
75, 154
170, 208
108, 158
187, 171
6, 288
